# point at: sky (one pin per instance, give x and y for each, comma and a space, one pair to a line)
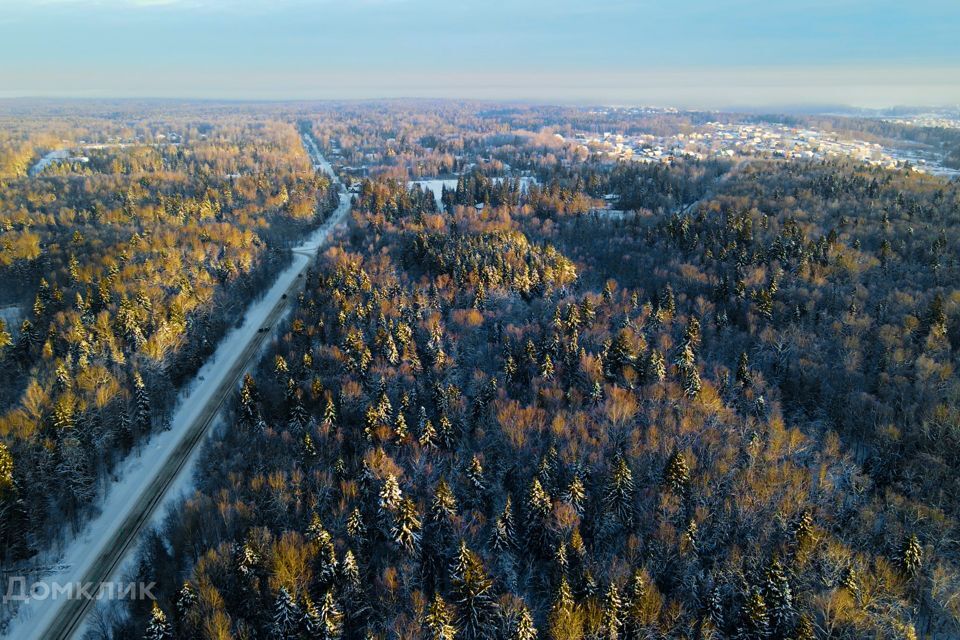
689, 53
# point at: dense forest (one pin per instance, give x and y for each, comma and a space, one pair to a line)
126, 253
728, 411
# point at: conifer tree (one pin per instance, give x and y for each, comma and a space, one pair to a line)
311, 623
406, 526
546, 368
329, 412
676, 475
286, 616
438, 623
538, 510
656, 366
715, 607
186, 599
356, 527
618, 499
325, 560
350, 574
473, 595
804, 629
438, 533
910, 557
755, 618
330, 619
400, 430
801, 530
13, 514
612, 606
504, 532
521, 625
143, 417
445, 433
779, 597
248, 399
743, 369
691, 335
576, 493
635, 616
159, 628
563, 613
689, 374
5, 338
123, 430
390, 497
428, 434
476, 483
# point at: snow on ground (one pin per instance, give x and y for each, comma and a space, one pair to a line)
319, 162
34, 616
47, 160
437, 184
12, 315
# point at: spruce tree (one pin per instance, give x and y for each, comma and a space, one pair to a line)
910, 557
438, 533
158, 628
390, 497
504, 532
406, 526
538, 511
186, 599
715, 607
329, 412
755, 618
13, 513
618, 499
576, 493
611, 622
801, 530
356, 527
286, 616
310, 622
5, 338
563, 612
330, 619
676, 475
143, 417
743, 369
521, 625
635, 609
473, 595
476, 484
779, 597
655, 369
804, 629
248, 400
438, 623
325, 560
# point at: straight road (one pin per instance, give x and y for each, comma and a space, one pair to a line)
62, 618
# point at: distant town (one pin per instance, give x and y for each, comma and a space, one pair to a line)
764, 140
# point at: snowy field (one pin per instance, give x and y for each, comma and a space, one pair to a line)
436, 185
48, 159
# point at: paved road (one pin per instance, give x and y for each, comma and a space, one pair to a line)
71, 613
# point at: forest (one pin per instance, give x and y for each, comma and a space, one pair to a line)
124, 260
728, 411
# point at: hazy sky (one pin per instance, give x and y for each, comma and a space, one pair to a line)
683, 52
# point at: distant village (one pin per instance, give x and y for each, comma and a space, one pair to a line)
753, 140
